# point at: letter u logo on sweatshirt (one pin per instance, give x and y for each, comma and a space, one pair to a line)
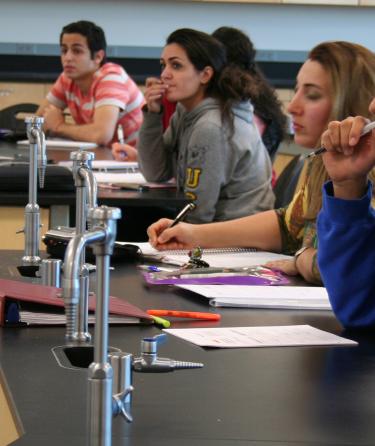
192, 177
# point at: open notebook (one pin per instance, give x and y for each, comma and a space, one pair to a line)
221, 257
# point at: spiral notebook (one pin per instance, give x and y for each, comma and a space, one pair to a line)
216, 257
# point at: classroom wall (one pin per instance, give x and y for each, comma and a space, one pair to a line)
146, 23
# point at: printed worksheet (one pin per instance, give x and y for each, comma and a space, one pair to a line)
273, 336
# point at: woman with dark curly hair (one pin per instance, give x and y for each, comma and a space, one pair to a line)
269, 117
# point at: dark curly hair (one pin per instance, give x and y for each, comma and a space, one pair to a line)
241, 53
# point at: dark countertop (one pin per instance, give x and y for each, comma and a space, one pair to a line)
10, 196
266, 396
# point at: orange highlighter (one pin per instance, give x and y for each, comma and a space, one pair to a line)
187, 314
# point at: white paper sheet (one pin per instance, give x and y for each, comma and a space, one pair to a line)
120, 178
105, 165
273, 336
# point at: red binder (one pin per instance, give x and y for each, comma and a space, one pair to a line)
47, 295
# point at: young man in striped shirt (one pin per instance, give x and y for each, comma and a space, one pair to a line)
100, 95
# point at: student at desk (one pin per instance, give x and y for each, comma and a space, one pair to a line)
211, 146
322, 95
268, 115
346, 224
100, 95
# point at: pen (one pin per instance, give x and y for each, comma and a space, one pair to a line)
187, 314
189, 207
366, 129
120, 134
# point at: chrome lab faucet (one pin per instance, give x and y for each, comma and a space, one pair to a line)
37, 166
102, 236
107, 397
86, 198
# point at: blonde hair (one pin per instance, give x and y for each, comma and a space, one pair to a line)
351, 69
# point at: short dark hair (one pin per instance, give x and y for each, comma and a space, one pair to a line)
94, 35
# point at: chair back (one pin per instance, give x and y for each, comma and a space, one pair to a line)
286, 183
10, 120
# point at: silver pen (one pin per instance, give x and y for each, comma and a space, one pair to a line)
189, 207
366, 129
120, 134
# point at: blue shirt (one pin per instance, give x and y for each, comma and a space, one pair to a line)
346, 256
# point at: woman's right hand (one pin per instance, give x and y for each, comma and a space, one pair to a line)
124, 152
350, 158
155, 90
181, 236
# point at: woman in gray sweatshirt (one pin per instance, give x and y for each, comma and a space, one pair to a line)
212, 146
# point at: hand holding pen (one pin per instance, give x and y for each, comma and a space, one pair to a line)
122, 151
118, 148
350, 157
167, 234
343, 136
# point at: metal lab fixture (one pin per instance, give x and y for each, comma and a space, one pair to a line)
150, 362
86, 198
109, 375
123, 364
37, 166
102, 236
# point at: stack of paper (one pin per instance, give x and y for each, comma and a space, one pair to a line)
285, 297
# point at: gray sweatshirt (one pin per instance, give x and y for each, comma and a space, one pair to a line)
228, 176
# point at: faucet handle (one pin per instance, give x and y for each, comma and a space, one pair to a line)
120, 406
82, 158
34, 120
150, 345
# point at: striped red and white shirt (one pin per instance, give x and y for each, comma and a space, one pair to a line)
111, 86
